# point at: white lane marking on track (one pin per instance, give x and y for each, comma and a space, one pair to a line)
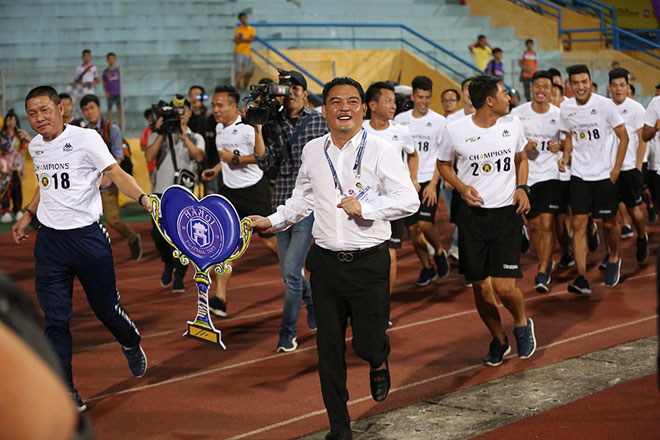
434, 378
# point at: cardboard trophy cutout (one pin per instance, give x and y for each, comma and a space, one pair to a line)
206, 233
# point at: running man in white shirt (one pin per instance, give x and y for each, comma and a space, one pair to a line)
426, 127
69, 163
381, 103
489, 149
591, 125
650, 134
244, 183
355, 183
541, 122
631, 179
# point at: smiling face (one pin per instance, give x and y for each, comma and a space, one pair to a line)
581, 85
224, 108
421, 100
45, 117
541, 90
344, 110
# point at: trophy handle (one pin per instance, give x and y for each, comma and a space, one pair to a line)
244, 240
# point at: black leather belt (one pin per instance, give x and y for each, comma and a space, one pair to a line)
348, 256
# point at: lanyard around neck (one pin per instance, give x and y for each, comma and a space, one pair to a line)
356, 166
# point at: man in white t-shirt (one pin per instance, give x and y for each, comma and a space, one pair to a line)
631, 179
650, 134
381, 103
69, 163
425, 127
186, 149
489, 150
85, 79
244, 183
541, 122
591, 125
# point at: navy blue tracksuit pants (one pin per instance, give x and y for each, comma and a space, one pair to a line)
84, 252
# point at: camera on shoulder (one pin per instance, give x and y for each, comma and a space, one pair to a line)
262, 101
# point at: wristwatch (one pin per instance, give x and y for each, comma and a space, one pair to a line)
524, 188
235, 160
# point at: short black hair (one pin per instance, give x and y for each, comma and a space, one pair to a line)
497, 50
466, 80
559, 86
89, 98
480, 37
43, 91
241, 14
529, 40
632, 89
618, 73
86, 51
375, 90
594, 85
342, 81
444, 92
554, 72
577, 69
422, 83
197, 87
542, 74
111, 54
65, 96
230, 91
481, 88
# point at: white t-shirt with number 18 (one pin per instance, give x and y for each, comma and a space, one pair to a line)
425, 133
68, 170
485, 157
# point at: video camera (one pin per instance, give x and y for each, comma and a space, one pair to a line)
262, 103
171, 115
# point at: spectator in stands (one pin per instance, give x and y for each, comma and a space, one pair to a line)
482, 52
450, 99
495, 66
85, 79
13, 142
243, 36
528, 64
111, 85
112, 137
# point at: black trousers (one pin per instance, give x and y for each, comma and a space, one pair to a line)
360, 290
165, 251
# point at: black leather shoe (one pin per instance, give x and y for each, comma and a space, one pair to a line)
380, 383
346, 435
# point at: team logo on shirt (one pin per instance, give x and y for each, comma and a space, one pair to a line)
624, 111
593, 111
199, 230
429, 124
235, 131
487, 167
472, 139
506, 133
395, 137
553, 121
44, 181
38, 153
67, 147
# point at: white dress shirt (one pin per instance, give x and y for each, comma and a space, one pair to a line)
392, 194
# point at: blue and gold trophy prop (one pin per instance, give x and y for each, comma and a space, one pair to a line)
206, 233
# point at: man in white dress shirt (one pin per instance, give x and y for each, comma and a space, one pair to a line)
355, 183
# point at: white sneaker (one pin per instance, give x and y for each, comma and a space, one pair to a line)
453, 253
18, 216
6, 218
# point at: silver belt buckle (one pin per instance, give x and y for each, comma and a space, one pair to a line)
345, 257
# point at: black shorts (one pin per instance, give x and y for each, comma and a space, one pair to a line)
630, 187
425, 213
397, 233
545, 198
599, 198
251, 200
647, 175
565, 196
489, 242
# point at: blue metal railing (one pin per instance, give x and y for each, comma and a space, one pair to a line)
405, 42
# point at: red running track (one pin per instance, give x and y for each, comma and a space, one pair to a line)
250, 391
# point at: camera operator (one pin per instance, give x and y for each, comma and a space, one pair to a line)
296, 126
176, 149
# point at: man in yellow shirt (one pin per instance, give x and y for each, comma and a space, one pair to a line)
482, 52
243, 36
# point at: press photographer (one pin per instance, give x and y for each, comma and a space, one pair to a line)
176, 149
290, 126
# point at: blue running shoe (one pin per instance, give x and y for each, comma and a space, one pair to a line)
166, 277
566, 261
613, 273
311, 319
137, 360
426, 276
286, 343
442, 264
627, 231
603, 264
525, 339
580, 286
218, 307
541, 282
496, 352
80, 405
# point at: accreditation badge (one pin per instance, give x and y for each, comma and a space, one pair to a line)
362, 192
